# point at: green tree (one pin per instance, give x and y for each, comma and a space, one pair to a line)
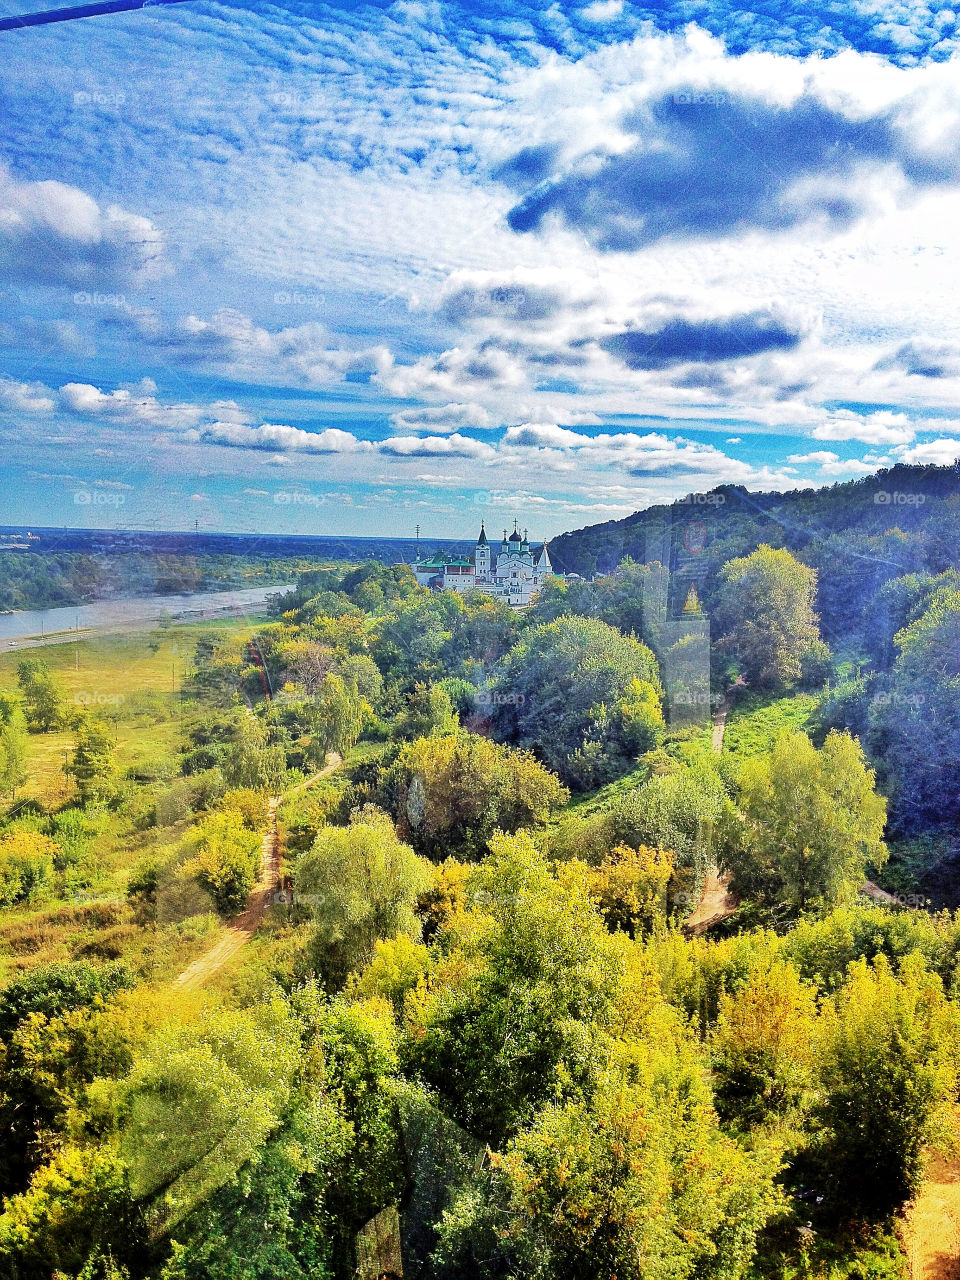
92, 764
915, 719
887, 1069
428, 713
13, 745
26, 866
637, 1184
581, 695
251, 760
227, 858
450, 794
42, 696
361, 883
76, 1212
519, 1011
765, 616
814, 822
200, 1101
762, 1044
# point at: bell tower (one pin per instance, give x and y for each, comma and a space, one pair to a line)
481, 559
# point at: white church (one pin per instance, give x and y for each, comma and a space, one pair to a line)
514, 573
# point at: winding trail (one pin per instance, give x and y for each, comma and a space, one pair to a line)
716, 900
238, 931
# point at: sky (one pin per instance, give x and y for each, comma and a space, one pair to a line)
324, 268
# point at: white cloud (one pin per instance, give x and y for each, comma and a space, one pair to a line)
53, 233
881, 427
276, 436
941, 453
453, 446
602, 10
444, 418
25, 397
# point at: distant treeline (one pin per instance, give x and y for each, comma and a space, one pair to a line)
858, 536
75, 566
40, 580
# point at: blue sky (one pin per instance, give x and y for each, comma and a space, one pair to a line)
353, 268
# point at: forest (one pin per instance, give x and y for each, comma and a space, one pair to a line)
615, 938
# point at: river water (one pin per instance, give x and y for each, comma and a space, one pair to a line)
35, 625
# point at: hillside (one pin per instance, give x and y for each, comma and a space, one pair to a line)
858, 535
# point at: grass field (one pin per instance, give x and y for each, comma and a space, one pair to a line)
755, 723
111, 674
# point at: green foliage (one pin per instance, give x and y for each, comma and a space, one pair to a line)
199, 1103
629, 887
514, 1013
42, 695
581, 695
250, 761
887, 1068
361, 884
26, 866
688, 812
92, 763
13, 745
428, 713
761, 1047
450, 794
74, 1209
814, 822
765, 615
638, 1183
915, 721
226, 859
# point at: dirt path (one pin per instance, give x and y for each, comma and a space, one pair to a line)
931, 1231
241, 928
716, 900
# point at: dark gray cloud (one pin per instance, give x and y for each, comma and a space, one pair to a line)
925, 358
712, 163
703, 341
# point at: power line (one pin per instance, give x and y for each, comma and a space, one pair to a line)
79, 11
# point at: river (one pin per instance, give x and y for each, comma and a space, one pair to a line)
53, 626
